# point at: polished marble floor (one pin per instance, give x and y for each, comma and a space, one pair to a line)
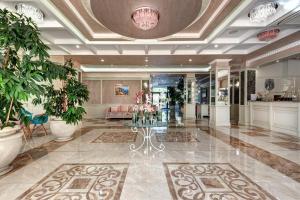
198, 163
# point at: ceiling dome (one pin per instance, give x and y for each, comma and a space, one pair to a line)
172, 16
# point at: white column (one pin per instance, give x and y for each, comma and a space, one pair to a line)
190, 105
220, 111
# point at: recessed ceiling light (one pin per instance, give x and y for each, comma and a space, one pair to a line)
102, 60
77, 46
216, 45
277, 61
190, 60
146, 59
232, 32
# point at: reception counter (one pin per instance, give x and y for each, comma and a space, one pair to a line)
277, 116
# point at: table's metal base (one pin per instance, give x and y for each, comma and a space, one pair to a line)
146, 132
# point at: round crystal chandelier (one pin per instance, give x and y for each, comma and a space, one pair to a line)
30, 11
263, 11
145, 18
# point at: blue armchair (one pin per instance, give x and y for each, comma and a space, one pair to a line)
37, 120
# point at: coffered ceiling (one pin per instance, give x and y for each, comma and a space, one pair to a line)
220, 29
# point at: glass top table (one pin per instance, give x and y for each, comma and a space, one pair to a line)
146, 125
146, 131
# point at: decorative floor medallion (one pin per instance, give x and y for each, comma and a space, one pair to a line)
80, 181
176, 136
116, 137
215, 181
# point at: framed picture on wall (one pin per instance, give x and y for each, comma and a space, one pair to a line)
121, 90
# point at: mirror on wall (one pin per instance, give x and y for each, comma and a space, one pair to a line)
242, 88
212, 88
189, 91
222, 92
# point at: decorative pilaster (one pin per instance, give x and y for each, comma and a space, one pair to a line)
190, 105
247, 87
220, 93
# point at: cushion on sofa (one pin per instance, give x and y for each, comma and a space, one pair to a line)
114, 109
124, 108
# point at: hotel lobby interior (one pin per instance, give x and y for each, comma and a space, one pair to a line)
150, 100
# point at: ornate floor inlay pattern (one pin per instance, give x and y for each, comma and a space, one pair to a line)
207, 181
288, 145
176, 136
80, 181
31, 155
116, 137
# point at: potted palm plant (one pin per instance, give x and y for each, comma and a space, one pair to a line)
22, 63
64, 104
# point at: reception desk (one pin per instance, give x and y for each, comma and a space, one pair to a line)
277, 116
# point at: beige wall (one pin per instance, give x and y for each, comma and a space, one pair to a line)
94, 88
284, 73
101, 87
109, 96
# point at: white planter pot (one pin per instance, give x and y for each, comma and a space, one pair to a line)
61, 130
10, 146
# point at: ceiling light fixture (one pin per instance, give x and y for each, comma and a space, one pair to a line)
232, 32
268, 35
102, 60
262, 12
216, 45
77, 46
190, 60
30, 11
145, 18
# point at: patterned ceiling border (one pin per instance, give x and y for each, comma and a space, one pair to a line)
280, 49
283, 52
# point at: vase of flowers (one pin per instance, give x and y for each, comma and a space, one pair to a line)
143, 110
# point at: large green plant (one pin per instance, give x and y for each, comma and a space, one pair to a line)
66, 102
24, 65
176, 94
22, 56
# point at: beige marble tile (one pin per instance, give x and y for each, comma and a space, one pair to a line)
145, 177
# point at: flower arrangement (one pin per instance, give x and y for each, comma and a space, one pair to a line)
143, 110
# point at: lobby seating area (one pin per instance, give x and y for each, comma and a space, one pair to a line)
119, 112
149, 100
